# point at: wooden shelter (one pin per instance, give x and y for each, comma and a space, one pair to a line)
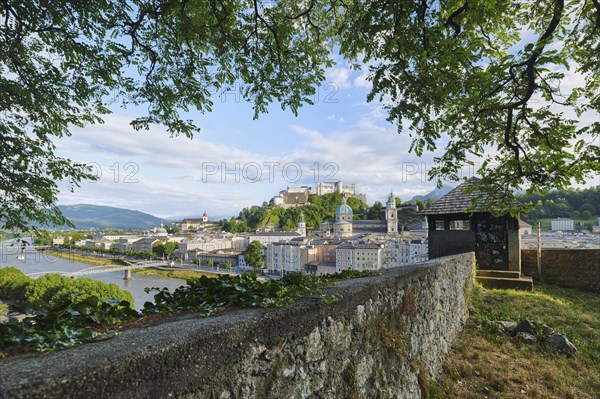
456, 228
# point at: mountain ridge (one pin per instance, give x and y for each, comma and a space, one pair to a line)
87, 216
436, 194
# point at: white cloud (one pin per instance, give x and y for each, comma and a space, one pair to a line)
338, 75
361, 81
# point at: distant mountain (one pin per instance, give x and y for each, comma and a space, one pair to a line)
436, 193
105, 217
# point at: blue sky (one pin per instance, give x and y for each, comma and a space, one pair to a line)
341, 136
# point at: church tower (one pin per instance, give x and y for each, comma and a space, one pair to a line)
343, 212
301, 226
391, 215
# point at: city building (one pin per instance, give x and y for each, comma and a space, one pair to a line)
193, 224
144, 244
367, 257
284, 257
205, 244
562, 224
344, 257
395, 255
219, 257
125, 243
418, 251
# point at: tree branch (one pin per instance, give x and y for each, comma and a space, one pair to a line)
451, 22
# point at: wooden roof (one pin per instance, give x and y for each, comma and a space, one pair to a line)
456, 201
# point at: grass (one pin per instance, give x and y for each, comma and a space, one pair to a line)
89, 259
486, 364
3, 309
182, 274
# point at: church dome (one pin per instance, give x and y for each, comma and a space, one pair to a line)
341, 222
343, 209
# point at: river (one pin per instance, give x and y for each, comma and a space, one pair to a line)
36, 261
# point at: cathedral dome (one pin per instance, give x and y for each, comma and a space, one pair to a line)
341, 223
343, 209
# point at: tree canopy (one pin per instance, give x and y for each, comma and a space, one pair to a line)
319, 209
253, 254
480, 78
576, 204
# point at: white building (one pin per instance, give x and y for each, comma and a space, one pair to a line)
562, 224
206, 244
395, 255
344, 257
284, 257
418, 251
367, 257
111, 237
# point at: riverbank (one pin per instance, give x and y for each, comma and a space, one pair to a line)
88, 259
181, 274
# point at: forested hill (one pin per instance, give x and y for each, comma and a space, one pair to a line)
576, 204
85, 216
321, 208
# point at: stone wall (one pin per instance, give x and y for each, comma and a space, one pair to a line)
384, 338
575, 268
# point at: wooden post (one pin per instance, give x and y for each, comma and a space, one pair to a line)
539, 251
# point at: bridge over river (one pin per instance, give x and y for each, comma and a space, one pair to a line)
105, 269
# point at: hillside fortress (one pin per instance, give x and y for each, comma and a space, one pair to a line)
298, 196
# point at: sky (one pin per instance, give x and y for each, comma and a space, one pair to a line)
237, 162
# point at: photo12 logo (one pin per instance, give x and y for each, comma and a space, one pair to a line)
125, 173
254, 172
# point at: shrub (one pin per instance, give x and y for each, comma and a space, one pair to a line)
42, 291
51, 290
90, 287
13, 283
